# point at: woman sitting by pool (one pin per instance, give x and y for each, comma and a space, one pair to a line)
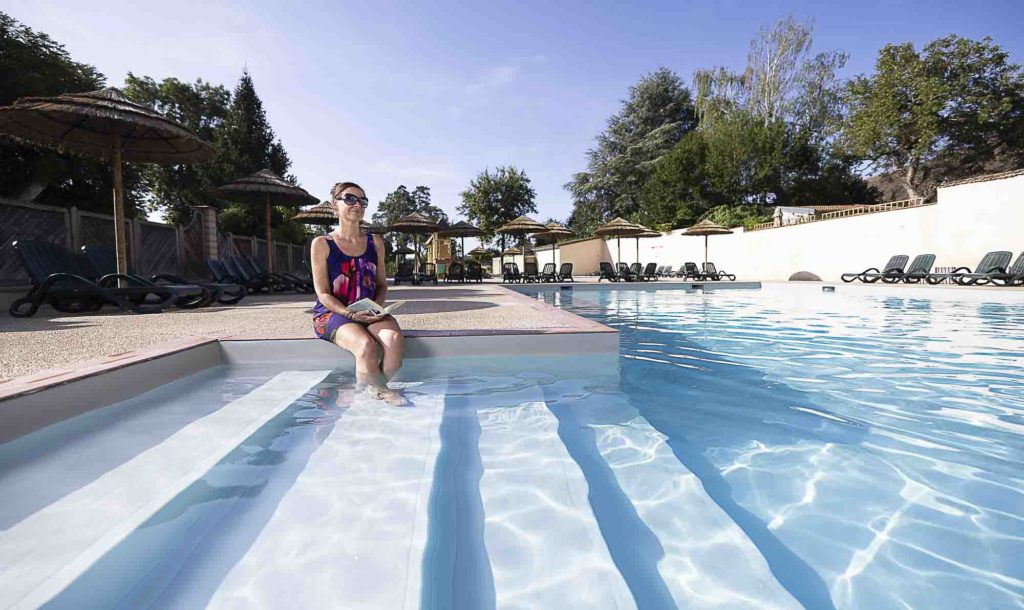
346, 270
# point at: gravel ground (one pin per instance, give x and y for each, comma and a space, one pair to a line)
51, 339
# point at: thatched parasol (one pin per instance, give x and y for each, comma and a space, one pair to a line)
647, 233
524, 225
522, 248
415, 224
462, 230
705, 228
107, 125
618, 228
481, 252
372, 229
259, 189
554, 233
322, 214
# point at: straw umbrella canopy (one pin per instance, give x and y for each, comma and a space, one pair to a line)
415, 224
462, 230
618, 228
705, 228
259, 189
320, 215
372, 229
481, 252
647, 233
523, 226
104, 124
400, 252
554, 233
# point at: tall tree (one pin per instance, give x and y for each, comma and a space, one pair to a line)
495, 198
948, 111
203, 108
246, 144
655, 116
33, 64
401, 202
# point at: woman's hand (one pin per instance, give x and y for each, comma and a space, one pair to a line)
365, 317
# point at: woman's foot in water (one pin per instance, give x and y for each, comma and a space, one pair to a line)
392, 397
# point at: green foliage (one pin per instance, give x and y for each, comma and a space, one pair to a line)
655, 116
738, 215
495, 198
401, 202
200, 106
33, 64
961, 99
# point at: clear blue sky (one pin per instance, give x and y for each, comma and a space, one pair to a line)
387, 94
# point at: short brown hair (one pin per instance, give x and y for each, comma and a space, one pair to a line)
340, 187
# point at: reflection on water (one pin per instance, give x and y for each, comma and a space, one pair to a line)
878, 439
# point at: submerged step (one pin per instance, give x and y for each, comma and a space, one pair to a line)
707, 560
350, 531
45, 552
543, 541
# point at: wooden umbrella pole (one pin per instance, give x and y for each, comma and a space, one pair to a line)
120, 243
270, 246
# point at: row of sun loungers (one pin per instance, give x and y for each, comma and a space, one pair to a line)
651, 272
253, 274
88, 280
510, 273
994, 268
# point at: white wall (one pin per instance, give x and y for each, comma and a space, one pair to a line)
968, 221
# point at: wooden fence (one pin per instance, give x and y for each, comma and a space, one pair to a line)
153, 247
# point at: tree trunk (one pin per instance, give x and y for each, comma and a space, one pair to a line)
909, 178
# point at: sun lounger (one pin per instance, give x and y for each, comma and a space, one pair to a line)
667, 271
455, 273
404, 274
650, 272
427, 273
919, 269
510, 273
474, 272
565, 272
100, 264
711, 273
57, 279
993, 262
253, 283
547, 274
690, 271
625, 273
530, 273
1014, 276
607, 272
290, 282
892, 269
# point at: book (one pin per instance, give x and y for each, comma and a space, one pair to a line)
371, 306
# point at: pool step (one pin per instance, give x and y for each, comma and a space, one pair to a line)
47, 551
350, 531
707, 561
543, 541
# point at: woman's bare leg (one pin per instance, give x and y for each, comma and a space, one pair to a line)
389, 336
355, 339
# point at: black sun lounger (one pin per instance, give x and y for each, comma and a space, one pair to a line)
547, 274
455, 273
607, 272
403, 273
625, 273
690, 271
252, 282
1014, 276
892, 269
101, 263
57, 279
565, 272
530, 273
710, 273
650, 272
289, 281
427, 273
667, 271
993, 262
918, 270
474, 272
510, 273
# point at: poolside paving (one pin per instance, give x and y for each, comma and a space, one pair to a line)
51, 340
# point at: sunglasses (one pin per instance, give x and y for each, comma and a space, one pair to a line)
351, 200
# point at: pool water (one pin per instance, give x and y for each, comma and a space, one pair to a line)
779, 448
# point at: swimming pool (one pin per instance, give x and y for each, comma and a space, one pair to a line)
773, 448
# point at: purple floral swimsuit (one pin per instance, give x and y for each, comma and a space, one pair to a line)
352, 278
